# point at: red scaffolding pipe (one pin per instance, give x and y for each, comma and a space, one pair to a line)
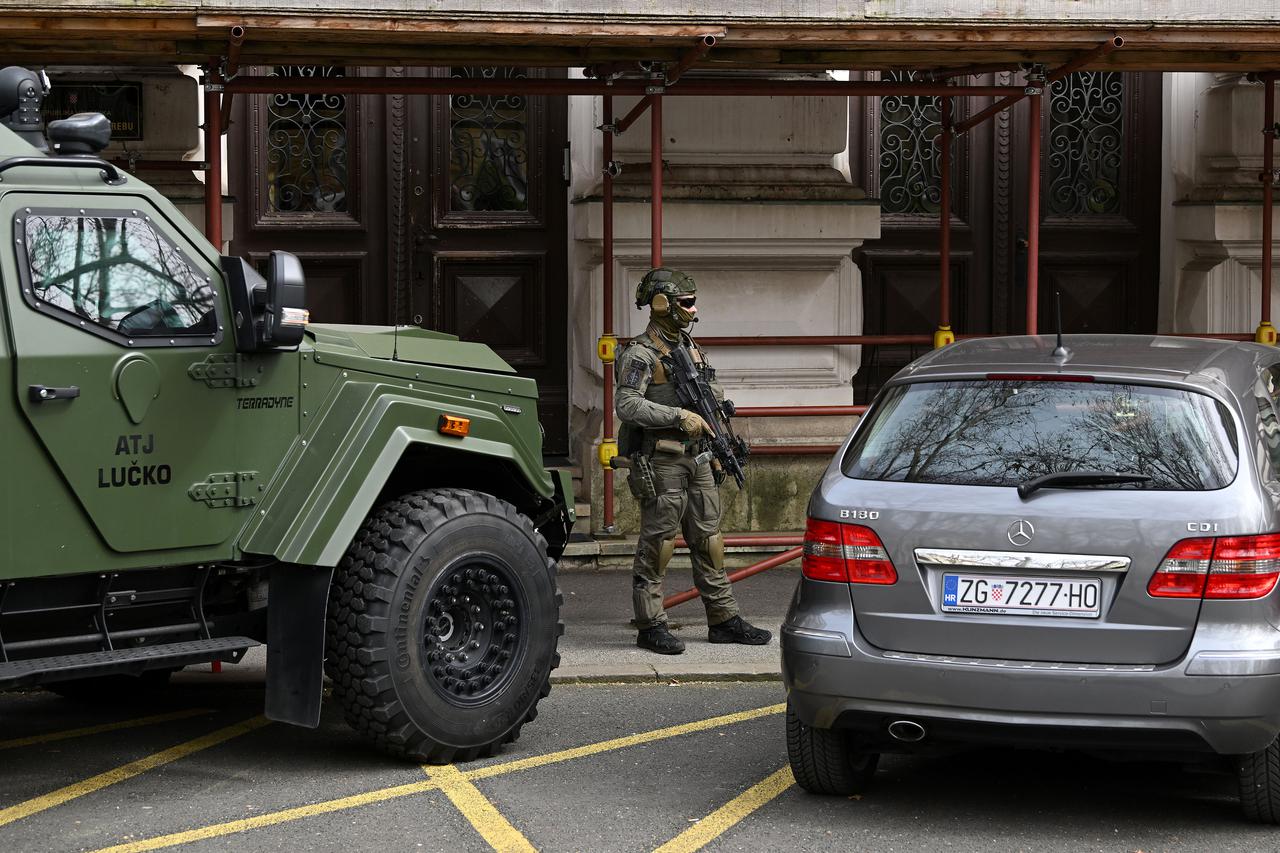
944, 221
797, 411
734, 577
1268, 183
1058, 73
636, 111
755, 540
691, 58
655, 182
607, 306
234, 41
697, 87
809, 340
213, 153
1033, 211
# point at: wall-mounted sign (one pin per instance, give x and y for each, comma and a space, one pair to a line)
120, 102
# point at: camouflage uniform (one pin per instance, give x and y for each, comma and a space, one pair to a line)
688, 499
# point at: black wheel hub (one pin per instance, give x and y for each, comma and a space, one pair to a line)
472, 631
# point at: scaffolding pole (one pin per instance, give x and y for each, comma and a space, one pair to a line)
213, 154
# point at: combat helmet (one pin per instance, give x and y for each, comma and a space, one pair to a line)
663, 280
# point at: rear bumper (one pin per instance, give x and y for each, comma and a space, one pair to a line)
836, 679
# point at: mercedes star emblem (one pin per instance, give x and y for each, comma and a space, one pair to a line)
1021, 532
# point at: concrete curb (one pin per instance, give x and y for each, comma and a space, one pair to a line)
664, 673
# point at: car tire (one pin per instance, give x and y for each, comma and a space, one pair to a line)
1259, 777
826, 761
444, 617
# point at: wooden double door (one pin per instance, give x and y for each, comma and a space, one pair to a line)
1099, 214
445, 212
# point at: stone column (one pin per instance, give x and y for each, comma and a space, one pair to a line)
1217, 212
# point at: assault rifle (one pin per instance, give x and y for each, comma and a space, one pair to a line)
694, 394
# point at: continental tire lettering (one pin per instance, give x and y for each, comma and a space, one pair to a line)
134, 476
264, 403
402, 631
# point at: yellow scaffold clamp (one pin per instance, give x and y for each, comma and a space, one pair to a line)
943, 336
1266, 333
607, 348
608, 450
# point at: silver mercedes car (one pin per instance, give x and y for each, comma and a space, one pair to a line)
1036, 544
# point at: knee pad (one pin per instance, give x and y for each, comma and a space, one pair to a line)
712, 548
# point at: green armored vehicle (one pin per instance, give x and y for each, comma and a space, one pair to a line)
192, 470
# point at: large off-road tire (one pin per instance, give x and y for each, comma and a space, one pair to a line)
825, 761
444, 617
1259, 777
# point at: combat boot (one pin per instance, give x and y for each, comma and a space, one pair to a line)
659, 639
738, 630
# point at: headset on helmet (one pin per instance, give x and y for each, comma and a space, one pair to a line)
663, 280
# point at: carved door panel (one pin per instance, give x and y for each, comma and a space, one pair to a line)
487, 212
308, 173
1099, 204
1099, 228
446, 212
894, 152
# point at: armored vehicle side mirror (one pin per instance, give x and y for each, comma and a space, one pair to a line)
266, 313
286, 310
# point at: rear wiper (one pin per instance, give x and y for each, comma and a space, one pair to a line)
1070, 479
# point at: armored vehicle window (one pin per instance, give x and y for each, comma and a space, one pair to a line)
118, 272
1006, 432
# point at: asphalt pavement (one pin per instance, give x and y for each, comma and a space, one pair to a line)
605, 767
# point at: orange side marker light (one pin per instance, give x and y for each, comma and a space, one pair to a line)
454, 425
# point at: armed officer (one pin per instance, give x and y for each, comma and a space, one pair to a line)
674, 482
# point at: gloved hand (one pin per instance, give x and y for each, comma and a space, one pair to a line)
693, 424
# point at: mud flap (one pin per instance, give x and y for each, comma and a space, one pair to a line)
297, 601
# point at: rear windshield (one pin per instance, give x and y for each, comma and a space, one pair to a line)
1006, 432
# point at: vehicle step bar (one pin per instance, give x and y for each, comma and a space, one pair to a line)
132, 661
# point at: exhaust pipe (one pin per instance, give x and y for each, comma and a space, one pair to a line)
907, 731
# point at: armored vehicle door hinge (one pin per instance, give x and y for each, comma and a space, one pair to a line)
221, 490
223, 370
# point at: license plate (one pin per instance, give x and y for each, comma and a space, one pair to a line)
1078, 597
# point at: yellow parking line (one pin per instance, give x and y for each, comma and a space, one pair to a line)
727, 816
271, 819
622, 742
126, 771
105, 727
475, 807
231, 827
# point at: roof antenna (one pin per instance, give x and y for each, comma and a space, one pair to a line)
1060, 351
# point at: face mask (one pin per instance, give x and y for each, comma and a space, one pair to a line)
670, 317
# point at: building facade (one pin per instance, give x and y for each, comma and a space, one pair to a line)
797, 215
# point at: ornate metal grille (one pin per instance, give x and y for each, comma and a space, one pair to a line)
909, 155
488, 147
1086, 143
307, 147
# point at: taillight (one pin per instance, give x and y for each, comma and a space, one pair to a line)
1244, 566
1183, 570
849, 553
868, 560
823, 558
1230, 567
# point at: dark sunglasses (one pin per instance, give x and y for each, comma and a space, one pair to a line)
686, 301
